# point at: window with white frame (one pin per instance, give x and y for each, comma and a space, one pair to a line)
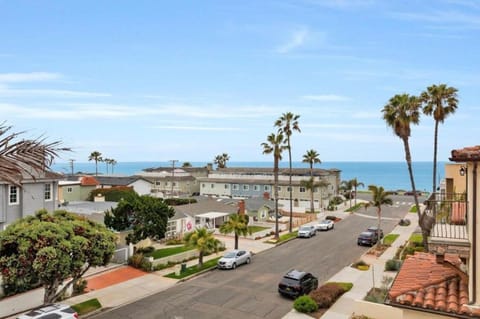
302, 189
158, 183
212, 186
235, 187
266, 188
256, 188
225, 186
279, 188
246, 187
48, 191
69, 189
288, 188
13, 195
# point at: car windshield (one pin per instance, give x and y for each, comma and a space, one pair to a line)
366, 234
304, 228
230, 254
325, 221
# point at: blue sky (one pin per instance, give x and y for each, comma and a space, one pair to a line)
187, 80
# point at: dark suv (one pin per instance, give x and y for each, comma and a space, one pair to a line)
376, 230
367, 238
296, 283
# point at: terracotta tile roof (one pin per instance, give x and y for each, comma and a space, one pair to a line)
88, 181
434, 286
466, 154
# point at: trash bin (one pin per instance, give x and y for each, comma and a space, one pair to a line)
184, 267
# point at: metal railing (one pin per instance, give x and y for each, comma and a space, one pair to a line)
449, 213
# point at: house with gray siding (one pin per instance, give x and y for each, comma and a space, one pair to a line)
30, 196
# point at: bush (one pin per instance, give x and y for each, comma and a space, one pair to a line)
114, 194
79, 286
174, 242
393, 265
359, 263
136, 260
305, 304
326, 295
179, 201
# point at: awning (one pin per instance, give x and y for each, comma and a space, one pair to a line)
212, 215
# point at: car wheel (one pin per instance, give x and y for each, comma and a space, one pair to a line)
248, 261
234, 266
333, 226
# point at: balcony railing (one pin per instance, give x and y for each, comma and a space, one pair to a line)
449, 212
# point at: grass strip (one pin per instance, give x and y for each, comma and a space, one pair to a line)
256, 229
194, 269
389, 239
87, 306
169, 251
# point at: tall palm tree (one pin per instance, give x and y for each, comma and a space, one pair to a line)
16, 155
113, 163
107, 160
356, 184
311, 157
347, 186
286, 124
97, 157
221, 160
310, 184
275, 145
379, 198
399, 113
439, 101
237, 224
203, 241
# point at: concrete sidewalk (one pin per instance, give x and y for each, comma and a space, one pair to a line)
363, 280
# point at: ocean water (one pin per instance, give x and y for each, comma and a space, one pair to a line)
390, 175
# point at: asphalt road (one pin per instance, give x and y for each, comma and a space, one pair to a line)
250, 291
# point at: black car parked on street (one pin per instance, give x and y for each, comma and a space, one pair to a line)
296, 283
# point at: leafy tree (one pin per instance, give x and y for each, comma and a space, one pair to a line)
311, 157
275, 145
114, 194
347, 186
187, 164
237, 224
286, 124
97, 157
16, 154
53, 249
147, 217
356, 184
221, 160
399, 113
439, 101
203, 241
379, 198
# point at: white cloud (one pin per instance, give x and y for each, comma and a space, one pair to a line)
195, 128
9, 92
325, 98
297, 39
28, 77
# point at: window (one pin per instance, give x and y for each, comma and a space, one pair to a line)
174, 184
13, 195
69, 190
226, 186
266, 188
203, 185
48, 192
288, 188
279, 188
246, 187
212, 185
302, 189
256, 188
158, 183
166, 183
235, 187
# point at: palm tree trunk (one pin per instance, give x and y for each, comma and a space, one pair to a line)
290, 184
379, 215
200, 259
435, 146
96, 167
420, 215
275, 192
236, 241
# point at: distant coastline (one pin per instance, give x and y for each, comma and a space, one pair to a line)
390, 175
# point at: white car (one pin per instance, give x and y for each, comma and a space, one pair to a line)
325, 224
234, 258
59, 311
307, 231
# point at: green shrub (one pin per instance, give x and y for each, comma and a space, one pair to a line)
327, 294
179, 201
393, 265
305, 304
114, 194
136, 260
146, 266
79, 286
346, 286
174, 242
359, 263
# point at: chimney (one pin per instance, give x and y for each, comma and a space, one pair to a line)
241, 207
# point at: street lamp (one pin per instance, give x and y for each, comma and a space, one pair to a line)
464, 172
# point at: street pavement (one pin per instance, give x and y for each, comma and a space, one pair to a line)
151, 283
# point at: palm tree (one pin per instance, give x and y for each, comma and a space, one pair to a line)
16, 155
286, 124
275, 145
97, 157
347, 186
107, 162
311, 157
113, 163
355, 185
237, 224
379, 198
203, 241
399, 113
221, 160
310, 184
440, 101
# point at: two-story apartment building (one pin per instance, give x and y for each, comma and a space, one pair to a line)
249, 182
32, 195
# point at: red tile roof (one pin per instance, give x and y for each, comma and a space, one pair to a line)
466, 154
424, 283
88, 181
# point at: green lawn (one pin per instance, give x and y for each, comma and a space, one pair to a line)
87, 306
165, 252
416, 238
390, 238
256, 229
194, 269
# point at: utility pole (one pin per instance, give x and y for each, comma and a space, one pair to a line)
173, 175
71, 165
